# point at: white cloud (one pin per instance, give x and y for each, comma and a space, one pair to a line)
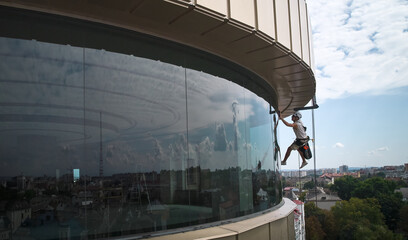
359, 46
377, 151
338, 145
382, 149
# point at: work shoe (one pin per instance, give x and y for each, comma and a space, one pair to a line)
283, 163
303, 164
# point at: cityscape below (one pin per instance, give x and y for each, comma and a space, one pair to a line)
389, 171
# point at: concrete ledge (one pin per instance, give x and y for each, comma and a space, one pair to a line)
277, 224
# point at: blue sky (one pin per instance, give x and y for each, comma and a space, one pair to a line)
361, 69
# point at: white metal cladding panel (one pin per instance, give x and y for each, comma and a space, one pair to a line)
282, 23
220, 6
266, 17
243, 11
312, 61
295, 27
203, 26
304, 27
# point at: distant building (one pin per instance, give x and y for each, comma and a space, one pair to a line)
76, 174
294, 174
404, 192
4, 228
299, 215
394, 172
329, 170
4, 234
324, 200
343, 169
332, 176
18, 213
289, 192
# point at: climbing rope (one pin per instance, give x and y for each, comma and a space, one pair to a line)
314, 153
277, 152
299, 178
277, 149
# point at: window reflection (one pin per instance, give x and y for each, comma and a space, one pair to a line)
96, 144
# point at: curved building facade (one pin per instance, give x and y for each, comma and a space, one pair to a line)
148, 118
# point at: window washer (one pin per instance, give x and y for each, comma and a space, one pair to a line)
301, 137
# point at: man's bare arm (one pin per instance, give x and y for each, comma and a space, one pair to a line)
288, 124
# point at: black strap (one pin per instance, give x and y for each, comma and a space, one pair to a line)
302, 139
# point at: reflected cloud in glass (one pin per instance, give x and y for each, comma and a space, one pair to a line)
158, 145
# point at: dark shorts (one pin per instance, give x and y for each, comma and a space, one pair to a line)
298, 143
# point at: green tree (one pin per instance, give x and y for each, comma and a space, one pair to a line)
330, 227
380, 174
302, 197
326, 220
372, 210
373, 188
401, 184
361, 219
311, 209
403, 223
309, 185
314, 230
384, 191
344, 186
358, 210
390, 207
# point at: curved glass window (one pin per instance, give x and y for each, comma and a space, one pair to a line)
99, 143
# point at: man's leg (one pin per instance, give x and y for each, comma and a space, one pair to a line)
301, 155
304, 163
287, 154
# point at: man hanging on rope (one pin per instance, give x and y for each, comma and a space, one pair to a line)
301, 137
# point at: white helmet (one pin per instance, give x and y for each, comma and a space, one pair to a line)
297, 114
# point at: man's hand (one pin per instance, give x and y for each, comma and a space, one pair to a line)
285, 122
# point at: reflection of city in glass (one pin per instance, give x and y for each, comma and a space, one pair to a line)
97, 144
76, 175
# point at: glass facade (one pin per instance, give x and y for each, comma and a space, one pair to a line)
99, 143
